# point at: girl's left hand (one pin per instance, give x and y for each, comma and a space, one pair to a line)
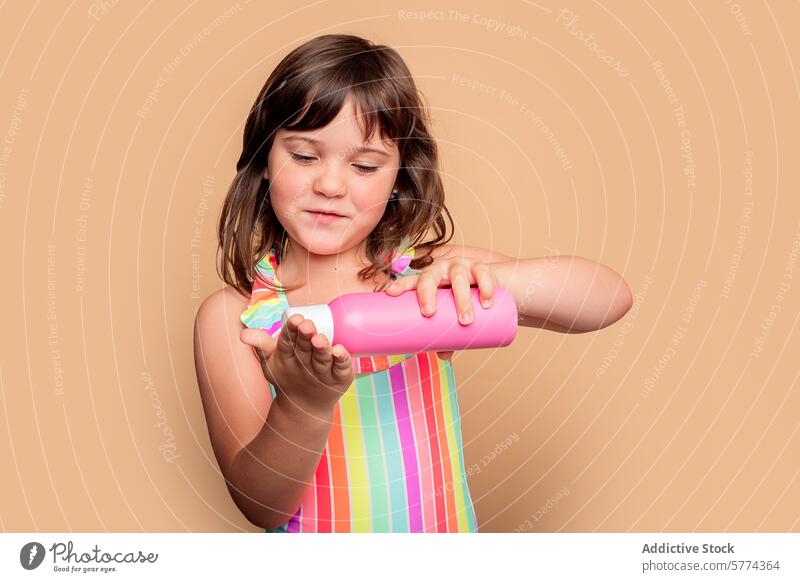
460, 273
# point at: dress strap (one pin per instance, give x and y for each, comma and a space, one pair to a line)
266, 305
401, 260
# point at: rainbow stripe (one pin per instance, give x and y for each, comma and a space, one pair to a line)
393, 461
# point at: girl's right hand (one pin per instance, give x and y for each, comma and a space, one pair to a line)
302, 365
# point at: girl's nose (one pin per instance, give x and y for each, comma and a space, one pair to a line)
329, 181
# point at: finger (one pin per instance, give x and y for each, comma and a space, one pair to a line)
288, 336
427, 287
258, 339
285, 346
321, 357
483, 277
342, 362
291, 327
460, 283
402, 284
305, 331
445, 355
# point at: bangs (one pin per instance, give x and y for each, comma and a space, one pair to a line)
324, 93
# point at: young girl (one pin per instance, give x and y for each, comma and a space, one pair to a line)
337, 186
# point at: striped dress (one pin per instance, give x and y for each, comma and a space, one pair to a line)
393, 460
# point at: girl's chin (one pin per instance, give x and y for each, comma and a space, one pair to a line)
323, 245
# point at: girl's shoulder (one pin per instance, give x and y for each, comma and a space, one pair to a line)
225, 300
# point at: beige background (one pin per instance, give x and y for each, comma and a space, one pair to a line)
121, 123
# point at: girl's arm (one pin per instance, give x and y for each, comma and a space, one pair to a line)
269, 477
564, 293
267, 450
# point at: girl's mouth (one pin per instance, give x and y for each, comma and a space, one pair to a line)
324, 218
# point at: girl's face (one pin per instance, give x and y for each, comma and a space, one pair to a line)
330, 169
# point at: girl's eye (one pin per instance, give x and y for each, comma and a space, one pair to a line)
366, 169
308, 159
301, 158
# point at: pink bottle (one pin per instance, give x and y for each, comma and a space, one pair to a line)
371, 324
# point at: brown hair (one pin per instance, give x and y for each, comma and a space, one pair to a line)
306, 91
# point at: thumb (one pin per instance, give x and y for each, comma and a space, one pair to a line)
259, 339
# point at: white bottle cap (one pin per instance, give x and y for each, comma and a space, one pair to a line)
320, 314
